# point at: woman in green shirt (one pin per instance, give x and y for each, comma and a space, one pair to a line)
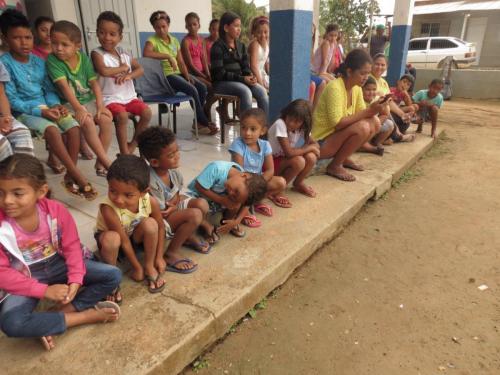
341, 122
165, 47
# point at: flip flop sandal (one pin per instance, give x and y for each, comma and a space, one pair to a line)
281, 201
71, 187
171, 267
87, 155
202, 130
108, 305
380, 151
263, 209
101, 172
251, 221
88, 192
237, 232
154, 280
114, 298
56, 169
45, 343
198, 247
213, 237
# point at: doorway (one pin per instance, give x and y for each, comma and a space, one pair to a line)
476, 29
90, 10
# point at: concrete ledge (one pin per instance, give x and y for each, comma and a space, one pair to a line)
161, 334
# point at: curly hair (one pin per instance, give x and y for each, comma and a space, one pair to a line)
152, 140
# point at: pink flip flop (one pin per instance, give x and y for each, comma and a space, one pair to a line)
251, 221
263, 209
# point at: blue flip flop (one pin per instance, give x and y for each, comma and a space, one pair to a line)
196, 246
172, 266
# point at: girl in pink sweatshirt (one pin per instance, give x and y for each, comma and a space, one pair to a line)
41, 257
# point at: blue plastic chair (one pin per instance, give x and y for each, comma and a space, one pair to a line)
153, 88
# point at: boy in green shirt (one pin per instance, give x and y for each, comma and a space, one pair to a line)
74, 76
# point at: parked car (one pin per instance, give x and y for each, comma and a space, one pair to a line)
430, 52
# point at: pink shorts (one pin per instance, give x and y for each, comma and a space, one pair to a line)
136, 107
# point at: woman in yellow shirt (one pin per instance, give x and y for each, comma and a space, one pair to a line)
341, 121
401, 119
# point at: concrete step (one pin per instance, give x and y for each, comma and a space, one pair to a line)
162, 333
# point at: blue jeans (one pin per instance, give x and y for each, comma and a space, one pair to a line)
17, 318
198, 91
245, 94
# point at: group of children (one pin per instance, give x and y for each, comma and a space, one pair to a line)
59, 93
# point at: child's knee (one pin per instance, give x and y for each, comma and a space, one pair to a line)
13, 323
276, 183
122, 118
146, 114
310, 158
298, 162
110, 241
363, 128
149, 226
194, 215
200, 204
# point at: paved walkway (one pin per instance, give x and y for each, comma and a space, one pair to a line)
163, 333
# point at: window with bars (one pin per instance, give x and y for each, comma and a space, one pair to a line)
429, 29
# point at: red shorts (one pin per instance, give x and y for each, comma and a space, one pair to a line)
277, 162
135, 107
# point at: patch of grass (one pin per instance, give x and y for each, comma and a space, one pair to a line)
259, 306
440, 148
407, 176
200, 364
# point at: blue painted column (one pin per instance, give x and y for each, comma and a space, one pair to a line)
289, 52
401, 31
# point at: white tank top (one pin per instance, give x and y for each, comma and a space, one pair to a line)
111, 92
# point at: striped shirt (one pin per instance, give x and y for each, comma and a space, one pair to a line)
228, 64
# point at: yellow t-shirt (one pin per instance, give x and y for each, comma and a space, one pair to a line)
382, 85
128, 219
332, 107
171, 49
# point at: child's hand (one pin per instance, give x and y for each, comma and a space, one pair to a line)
229, 204
57, 292
5, 124
72, 290
51, 114
314, 149
226, 226
170, 209
122, 78
102, 110
172, 63
81, 115
62, 110
376, 107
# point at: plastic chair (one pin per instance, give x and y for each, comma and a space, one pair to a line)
153, 88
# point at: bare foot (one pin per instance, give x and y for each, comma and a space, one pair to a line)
340, 173
102, 314
305, 189
48, 342
348, 163
137, 274
408, 138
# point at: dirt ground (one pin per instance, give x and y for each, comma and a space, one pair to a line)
397, 291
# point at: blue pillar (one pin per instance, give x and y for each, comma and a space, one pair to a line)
401, 31
289, 56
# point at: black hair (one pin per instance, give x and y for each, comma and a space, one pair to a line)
226, 19
42, 19
299, 109
158, 15
12, 18
436, 81
331, 27
130, 169
192, 15
354, 61
370, 81
69, 29
257, 188
257, 113
111, 17
215, 20
408, 77
152, 140
23, 166
380, 55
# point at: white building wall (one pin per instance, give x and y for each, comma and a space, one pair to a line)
65, 10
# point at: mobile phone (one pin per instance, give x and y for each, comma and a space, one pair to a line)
386, 98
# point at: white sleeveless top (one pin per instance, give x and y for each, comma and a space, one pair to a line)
318, 59
262, 56
111, 92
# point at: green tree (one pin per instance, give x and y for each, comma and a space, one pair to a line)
246, 11
351, 15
